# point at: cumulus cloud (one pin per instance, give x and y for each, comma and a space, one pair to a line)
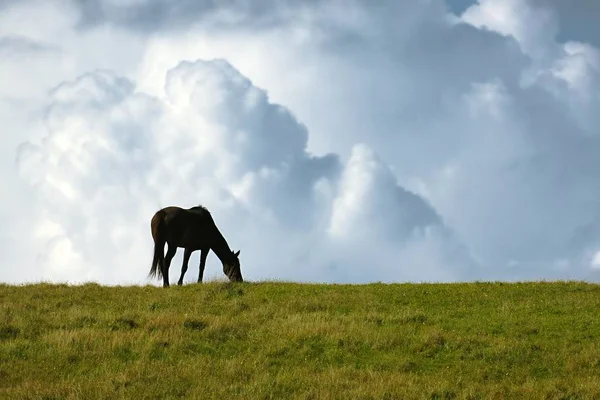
480, 135
392, 212
113, 155
392, 230
535, 28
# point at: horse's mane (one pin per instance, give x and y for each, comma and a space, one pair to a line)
200, 207
203, 210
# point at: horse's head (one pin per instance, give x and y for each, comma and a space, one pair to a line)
231, 267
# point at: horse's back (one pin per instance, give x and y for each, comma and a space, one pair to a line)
172, 212
184, 227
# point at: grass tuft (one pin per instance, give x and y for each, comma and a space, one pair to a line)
195, 324
8, 332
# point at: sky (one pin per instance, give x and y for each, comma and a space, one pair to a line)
333, 141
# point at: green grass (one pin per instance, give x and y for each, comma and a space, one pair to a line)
297, 341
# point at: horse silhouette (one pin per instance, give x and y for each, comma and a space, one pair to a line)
192, 229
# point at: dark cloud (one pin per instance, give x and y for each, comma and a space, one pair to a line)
19, 45
155, 15
578, 19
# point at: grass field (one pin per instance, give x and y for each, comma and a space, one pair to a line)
298, 341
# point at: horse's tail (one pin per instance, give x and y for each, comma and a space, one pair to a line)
158, 226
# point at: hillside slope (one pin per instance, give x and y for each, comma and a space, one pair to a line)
284, 340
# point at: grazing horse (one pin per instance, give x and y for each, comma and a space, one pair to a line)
193, 229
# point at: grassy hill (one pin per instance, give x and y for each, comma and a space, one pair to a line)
298, 341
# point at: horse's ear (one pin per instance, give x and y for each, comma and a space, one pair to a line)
237, 253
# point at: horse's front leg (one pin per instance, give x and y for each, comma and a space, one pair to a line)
184, 267
203, 255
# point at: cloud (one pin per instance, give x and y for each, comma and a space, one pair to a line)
393, 231
534, 27
112, 156
577, 19
392, 212
15, 45
149, 16
481, 135
570, 70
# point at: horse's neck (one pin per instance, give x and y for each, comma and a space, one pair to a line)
220, 246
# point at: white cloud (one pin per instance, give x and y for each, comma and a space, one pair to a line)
113, 155
481, 134
534, 26
392, 232
370, 203
596, 260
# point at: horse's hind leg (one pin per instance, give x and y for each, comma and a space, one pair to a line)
170, 254
186, 258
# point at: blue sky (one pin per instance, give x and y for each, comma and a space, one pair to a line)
334, 141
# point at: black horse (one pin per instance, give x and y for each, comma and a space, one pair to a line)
193, 229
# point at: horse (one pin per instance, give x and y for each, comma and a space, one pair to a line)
192, 229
